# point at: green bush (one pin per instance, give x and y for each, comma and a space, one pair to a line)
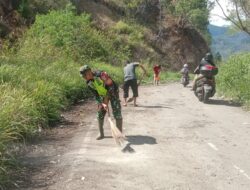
63, 33
123, 28
195, 11
129, 33
234, 78
133, 3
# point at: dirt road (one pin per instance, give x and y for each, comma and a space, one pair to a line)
175, 142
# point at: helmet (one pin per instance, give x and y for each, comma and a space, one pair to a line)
83, 69
185, 65
209, 57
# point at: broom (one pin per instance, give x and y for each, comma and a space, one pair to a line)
116, 133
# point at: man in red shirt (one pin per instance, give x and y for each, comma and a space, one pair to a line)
157, 70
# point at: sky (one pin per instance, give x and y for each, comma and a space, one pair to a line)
215, 19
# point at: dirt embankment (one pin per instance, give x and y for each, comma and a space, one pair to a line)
169, 41
174, 41
179, 43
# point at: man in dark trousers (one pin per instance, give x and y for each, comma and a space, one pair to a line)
130, 80
104, 90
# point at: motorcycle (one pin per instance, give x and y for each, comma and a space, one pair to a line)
205, 89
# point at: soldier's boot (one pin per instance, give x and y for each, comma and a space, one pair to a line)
100, 126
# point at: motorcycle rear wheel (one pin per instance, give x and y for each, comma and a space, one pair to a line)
205, 97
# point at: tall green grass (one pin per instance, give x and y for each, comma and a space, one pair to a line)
34, 93
63, 34
234, 78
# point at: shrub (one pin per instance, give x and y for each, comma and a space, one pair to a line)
63, 33
129, 33
234, 78
122, 28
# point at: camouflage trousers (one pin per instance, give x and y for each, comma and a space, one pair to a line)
116, 108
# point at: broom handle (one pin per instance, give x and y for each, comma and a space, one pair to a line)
139, 83
108, 110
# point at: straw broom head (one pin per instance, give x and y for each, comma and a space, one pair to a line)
116, 133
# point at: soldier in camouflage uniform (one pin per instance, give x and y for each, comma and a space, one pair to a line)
104, 90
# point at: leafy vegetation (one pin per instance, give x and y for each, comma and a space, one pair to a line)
234, 78
129, 33
41, 77
195, 11
62, 33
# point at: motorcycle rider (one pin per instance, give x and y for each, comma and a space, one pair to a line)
207, 60
185, 73
185, 70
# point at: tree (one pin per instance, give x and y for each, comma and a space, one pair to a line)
239, 14
195, 11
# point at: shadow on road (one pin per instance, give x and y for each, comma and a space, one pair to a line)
157, 106
137, 140
128, 149
223, 103
140, 140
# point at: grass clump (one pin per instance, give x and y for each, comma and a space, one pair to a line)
234, 78
63, 34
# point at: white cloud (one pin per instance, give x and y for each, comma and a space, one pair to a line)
217, 14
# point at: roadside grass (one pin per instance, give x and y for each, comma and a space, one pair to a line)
165, 77
234, 79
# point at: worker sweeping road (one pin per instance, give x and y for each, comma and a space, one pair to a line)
130, 80
104, 90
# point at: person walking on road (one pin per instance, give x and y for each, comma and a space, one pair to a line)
130, 80
104, 90
157, 70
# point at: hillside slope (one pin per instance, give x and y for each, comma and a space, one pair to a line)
156, 37
168, 41
228, 44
